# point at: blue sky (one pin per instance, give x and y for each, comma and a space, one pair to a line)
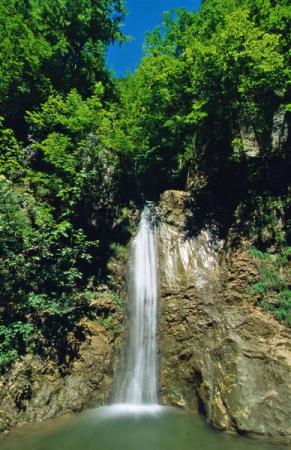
143, 16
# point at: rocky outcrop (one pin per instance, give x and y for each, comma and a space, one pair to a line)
36, 388
248, 137
220, 354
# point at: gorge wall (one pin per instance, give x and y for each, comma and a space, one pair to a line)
220, 354
36, 388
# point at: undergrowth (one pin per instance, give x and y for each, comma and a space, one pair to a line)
272, 290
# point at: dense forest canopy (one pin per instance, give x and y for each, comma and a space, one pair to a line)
52, 46
208, 110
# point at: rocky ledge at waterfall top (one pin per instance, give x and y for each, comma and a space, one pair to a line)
220, 354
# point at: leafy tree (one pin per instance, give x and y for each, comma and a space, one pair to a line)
52, 45
77, 148
40, 274
12, 155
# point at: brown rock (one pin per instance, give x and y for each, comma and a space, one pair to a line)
219, 353
35, 389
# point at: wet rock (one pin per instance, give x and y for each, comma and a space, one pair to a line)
220, 355
172, 206
35, 389
103, 305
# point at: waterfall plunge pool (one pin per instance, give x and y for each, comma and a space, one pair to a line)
129, 427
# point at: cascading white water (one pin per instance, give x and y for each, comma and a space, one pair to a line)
139, 382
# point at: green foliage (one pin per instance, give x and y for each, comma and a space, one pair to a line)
14, 338
272, 290
256, 253
68, 152
269, 220
207, 108
60, 186
12, 155
52, 45
118, 250
154, 118
110, 320
207, 77
39, 265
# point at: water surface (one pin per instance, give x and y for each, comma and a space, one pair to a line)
125, 428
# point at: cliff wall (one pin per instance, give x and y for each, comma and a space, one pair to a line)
220, 354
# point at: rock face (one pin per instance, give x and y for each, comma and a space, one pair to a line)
219, 353
36, 389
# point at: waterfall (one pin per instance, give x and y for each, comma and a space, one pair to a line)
139, 381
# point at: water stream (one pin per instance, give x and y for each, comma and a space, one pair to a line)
139, 381
135, 421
